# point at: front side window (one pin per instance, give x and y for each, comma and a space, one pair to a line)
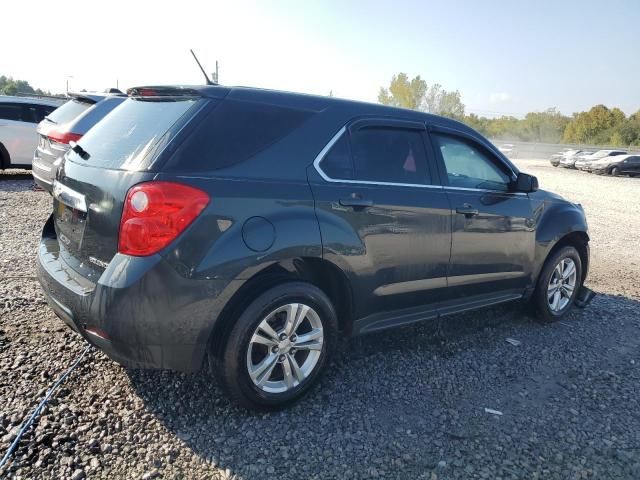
389, 155
469, 167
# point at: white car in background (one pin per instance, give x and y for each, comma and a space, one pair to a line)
19, 117
570, 158
508, 149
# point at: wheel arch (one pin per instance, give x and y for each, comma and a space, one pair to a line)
317, 271
579, 239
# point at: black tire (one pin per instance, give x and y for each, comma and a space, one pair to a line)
231, 368
540, 300
5, 159
615, 171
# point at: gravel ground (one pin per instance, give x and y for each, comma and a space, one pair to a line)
405, 404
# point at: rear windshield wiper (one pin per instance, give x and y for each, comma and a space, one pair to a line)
50, 120
79, 150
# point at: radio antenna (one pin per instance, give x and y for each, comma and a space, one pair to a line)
206, 77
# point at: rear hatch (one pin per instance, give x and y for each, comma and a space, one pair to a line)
92, 183
53, 137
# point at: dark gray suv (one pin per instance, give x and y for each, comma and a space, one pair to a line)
249, 227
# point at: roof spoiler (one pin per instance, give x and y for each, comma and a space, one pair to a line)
162, 91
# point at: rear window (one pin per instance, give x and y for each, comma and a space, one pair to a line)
126, 138
68, 111
235, 131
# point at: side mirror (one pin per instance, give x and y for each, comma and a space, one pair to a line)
526, 183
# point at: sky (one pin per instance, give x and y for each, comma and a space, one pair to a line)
505, 57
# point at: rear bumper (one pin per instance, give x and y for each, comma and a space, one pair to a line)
43, 173
140, 312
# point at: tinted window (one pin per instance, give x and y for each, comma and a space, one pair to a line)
93, 115
470, 167
127, 137
68, 111
337, 163
43, 111
233, 132
11, 111
389, 155
30, 113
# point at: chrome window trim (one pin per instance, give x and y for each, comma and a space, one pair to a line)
336, 137
332, 142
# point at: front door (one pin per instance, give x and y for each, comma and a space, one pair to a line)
493, 229
382, 219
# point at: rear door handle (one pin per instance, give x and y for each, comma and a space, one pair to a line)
356, 203
467, 210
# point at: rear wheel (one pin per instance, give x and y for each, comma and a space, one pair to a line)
278, 347
558, 284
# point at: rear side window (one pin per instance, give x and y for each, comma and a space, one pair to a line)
337, 163
11, 111
233, 132
68, 111
127, 137
389, 155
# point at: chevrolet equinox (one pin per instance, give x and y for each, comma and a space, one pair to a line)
247, 229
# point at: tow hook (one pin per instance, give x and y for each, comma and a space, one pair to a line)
584, 297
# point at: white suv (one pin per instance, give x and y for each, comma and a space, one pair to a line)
19, 117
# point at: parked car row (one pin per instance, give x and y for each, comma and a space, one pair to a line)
18, 119
36, 132
605, 162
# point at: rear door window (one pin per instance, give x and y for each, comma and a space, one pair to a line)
233, 132
11, 111
389, 155
127, 137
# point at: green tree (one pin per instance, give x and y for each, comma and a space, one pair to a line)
417, 95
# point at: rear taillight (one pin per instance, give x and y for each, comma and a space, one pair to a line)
63, 137
155, 213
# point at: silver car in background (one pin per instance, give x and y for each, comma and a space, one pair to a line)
584, 160
68, 124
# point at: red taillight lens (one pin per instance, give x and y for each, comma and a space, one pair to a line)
155, 213
63, 137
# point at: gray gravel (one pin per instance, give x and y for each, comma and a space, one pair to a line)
405, 404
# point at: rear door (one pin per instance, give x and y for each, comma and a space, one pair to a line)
93, 180
493, 230
382, 217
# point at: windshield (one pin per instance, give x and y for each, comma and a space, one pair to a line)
125, 137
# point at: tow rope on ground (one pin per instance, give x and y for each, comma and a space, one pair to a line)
25, 426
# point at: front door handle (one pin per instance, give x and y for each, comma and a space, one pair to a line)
467, 210
356, 203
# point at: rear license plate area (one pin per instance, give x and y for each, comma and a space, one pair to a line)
70, 224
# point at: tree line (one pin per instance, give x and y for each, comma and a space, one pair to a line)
10, 86
598, 126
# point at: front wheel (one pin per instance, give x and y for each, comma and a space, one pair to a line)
558, 284
278, 347
615, 171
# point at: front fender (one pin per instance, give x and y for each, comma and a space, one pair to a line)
556, 219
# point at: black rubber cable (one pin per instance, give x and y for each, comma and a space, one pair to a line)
40, 406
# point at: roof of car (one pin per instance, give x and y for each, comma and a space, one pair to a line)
317, 102
37, 100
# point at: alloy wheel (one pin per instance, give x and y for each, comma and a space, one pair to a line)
285, 348
562, 285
